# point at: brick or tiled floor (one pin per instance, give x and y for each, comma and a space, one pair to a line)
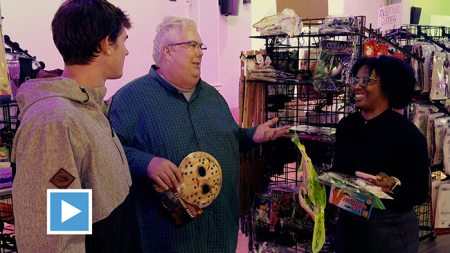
242, 246
440, 244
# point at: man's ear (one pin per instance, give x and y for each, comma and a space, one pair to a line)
105, 46
167, 53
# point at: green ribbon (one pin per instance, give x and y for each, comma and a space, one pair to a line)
312, 194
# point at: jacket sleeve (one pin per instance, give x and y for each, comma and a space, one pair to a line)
125, 123
40, 151
414, 172
340, 157
246, 139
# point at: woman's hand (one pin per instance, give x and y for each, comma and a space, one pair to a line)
384, 181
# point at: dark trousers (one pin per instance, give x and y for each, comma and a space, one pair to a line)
384, 232
118, 233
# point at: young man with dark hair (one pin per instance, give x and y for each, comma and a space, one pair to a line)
65, 140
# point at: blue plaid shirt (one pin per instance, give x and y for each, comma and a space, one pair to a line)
152, 118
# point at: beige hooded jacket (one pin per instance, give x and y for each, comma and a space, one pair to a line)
63, 126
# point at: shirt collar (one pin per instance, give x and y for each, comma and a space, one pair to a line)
170, 88
382, 116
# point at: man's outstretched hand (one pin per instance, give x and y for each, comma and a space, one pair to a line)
266, 131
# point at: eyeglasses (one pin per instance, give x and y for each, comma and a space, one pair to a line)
192, 45
362, 81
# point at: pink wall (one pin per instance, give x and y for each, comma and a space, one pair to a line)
368, 8
28, 23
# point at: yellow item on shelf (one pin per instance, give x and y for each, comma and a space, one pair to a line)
5, 87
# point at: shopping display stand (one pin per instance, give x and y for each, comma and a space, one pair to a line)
16, 66
7, 239
294, 97
8, 127
296, 101
406, 36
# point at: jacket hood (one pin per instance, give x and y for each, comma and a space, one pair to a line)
36, 90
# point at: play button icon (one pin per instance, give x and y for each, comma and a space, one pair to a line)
69, 211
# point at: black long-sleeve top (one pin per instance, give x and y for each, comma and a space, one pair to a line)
388, 143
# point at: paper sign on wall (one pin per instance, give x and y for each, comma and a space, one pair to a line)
305, 8
390, 16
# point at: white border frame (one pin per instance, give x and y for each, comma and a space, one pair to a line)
89, 231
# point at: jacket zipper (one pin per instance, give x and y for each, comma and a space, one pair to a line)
109, 122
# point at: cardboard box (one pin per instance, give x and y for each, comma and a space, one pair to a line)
179, 209
4, 155
305, 8
261, 208
353, 194
357, 203
6, 178
442, 212
275, 206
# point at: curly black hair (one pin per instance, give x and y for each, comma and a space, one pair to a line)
396, 78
